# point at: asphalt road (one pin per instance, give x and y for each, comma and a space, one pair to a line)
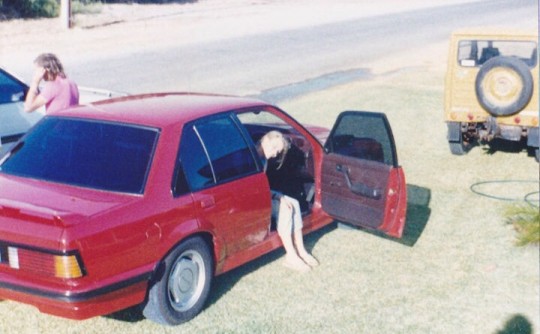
305, 58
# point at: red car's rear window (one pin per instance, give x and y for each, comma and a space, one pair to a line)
86, 153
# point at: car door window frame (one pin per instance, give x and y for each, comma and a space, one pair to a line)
181, 183
388, 150
11, 81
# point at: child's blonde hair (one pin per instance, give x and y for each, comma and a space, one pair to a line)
276, 135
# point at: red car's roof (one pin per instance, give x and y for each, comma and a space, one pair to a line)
160, 109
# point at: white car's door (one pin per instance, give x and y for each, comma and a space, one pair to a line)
14, 121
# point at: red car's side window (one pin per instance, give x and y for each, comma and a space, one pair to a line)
213, 151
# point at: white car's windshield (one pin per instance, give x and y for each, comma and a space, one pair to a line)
14, 122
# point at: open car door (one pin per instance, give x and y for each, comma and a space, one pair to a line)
362, 183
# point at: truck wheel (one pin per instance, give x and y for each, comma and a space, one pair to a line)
504, 86
181, 284
457, 148
459, 142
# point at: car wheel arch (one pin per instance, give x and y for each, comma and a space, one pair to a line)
206, 236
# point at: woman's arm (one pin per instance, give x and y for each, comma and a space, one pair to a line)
33, 99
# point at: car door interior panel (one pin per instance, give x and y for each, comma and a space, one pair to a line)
360, 175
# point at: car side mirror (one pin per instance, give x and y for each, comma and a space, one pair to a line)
17, 97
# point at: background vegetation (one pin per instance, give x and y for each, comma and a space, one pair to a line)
526, 220
51, 8
29, 8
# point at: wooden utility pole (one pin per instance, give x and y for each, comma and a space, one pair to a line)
65, 13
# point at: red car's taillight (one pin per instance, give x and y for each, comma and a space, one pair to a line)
52, 265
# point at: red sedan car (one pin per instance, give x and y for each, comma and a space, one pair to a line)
144, 199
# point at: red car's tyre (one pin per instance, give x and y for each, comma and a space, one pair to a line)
181, 284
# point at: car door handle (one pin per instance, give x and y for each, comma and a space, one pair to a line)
207, 202
359, 188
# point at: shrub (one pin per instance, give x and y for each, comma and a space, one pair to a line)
51, 8
526, 220
85, 7
33, 8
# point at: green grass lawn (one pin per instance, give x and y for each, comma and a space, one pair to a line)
456, 270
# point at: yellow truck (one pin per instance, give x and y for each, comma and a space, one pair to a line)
492, 88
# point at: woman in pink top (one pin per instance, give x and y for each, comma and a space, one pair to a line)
58, 93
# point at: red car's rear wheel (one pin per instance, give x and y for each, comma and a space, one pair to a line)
181, 284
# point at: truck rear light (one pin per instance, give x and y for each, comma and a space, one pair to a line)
43, 263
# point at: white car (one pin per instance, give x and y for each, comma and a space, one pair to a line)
14, 121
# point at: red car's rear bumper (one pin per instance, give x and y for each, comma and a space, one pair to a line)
80, 305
